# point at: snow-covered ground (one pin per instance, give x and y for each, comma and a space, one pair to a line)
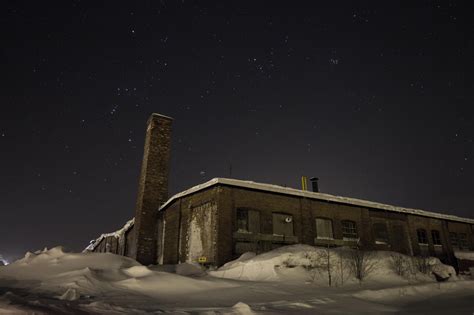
288, 280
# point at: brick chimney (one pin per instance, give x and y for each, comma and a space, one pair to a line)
152, 186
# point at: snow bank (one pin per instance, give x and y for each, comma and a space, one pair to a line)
68, 276
263, 267
304, 262
242, 309
467, 255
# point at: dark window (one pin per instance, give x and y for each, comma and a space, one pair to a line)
380, 233
282, 224
242, 220
422, 236
453, 238
248, 221
324, 228
349, 229
463, 244
436, 236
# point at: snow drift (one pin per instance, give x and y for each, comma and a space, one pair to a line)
52, 281
317, 264
68, 276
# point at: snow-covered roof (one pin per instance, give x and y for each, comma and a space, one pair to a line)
312, 195
117, 234
161, 115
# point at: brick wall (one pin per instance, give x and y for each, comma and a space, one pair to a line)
401, 228
153, 186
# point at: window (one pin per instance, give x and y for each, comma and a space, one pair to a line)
248, 221
380, 233
324, 228
282, 224
422, 236
453, 238
349, 229
463, 244
436, 236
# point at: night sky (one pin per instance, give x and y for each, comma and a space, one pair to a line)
374, 98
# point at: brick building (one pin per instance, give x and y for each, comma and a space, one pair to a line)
218, 220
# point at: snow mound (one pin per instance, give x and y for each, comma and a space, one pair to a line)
466, 255
242, 309
263, 267
137, 271
68, 276
304, 262
160, 284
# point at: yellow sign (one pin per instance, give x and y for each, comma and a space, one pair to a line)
202, 259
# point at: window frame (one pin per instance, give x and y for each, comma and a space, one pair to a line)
348, 233
247, 229
238, 220
436, 238
422, 237
332, 228
453, 241
463, 242
377, 239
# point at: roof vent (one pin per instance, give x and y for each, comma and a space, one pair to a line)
314, 183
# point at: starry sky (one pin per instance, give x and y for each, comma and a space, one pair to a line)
373, 97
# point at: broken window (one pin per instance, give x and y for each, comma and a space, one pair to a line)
349, 229
463, 244
453, 239
436, 236
380, 233
422, 236
282, 224
324, 228
248, 221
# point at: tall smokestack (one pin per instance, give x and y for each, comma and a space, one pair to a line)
314, 183
153, 186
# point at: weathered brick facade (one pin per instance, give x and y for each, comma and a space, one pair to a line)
152, 187
218, 220
401, 228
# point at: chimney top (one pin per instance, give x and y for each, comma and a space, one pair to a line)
160, 115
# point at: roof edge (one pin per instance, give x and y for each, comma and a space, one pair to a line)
312, 195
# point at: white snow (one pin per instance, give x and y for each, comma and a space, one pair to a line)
467, 255
119, 234
70, 275
70, 295
276, 282
313, 195
304, 262
3, 261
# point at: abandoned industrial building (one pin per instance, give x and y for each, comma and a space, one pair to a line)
218, 220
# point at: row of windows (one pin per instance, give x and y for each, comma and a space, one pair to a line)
456, 240
459, 240
248, 221
324, 229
